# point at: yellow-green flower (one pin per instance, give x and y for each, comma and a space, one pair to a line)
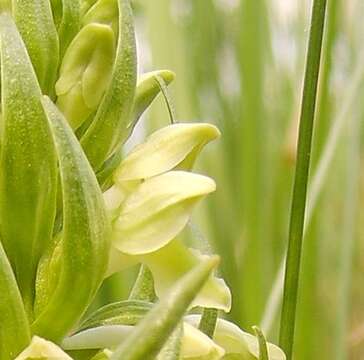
151, 203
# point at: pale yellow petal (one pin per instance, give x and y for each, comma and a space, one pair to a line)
196, 345
236, 342
165, 150
43, 349
174, 260
158, 210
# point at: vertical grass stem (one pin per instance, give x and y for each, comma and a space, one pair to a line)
293, 261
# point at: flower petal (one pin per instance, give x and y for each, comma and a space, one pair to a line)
237, 342
158, 210
42, 349
171, 262
165, 149
198, 346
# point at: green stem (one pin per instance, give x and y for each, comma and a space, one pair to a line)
208, 321
301, 177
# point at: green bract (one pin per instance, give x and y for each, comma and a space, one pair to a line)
74, 209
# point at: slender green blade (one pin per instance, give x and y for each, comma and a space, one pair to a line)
297, 218
34, 20
85, 234
127, 312
109, 126
154, 330
27, 163
14, 327
70, 23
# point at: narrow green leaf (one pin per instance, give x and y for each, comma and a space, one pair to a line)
297, 218
70, 24
85, 234
14, 327
263, 347
108, 129
128, 312
34, 20
153, 331
57, 10
143, 288
28, 163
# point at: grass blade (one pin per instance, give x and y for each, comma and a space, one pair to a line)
293, 260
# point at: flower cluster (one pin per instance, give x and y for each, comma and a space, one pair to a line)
74, 209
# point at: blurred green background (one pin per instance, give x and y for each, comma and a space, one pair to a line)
240, 64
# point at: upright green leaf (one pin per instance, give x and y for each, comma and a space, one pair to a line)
27, 163
57, 10
34, 20
70, 23
166, 315
109, 127
14, 327
85, 234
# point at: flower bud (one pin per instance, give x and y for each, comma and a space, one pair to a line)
85, 72
104, 12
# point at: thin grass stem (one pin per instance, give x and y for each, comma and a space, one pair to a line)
316, 185
288, 317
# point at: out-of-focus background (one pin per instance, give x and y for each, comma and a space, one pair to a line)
239, 65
